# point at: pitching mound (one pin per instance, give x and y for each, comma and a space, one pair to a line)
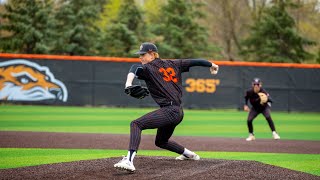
156, 168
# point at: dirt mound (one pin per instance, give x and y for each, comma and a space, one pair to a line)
11, 139
153, 167
156, 168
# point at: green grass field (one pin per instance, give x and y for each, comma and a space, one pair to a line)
212, 123
215, 123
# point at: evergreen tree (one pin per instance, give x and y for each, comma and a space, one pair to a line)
109, 14
274, 37
318, 58
118, 40
29, 26
77, 33
182, 36
131, 16
123, 36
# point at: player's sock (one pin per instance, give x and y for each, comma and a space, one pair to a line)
131, 155
274, 132
188, 153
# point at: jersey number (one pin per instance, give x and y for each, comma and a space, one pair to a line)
169, 74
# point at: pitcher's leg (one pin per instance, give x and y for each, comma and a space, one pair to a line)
156, 119
162, 140
135, 135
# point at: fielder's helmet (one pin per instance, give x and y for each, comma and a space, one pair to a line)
256, 81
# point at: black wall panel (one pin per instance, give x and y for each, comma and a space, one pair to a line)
99, 83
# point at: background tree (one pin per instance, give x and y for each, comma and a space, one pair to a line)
318, 58
77, 32
118, 40
2, 32
274, 37
182, 36
109, 14
257, 7
125, 33
228, 22
131, 15
152, 10
307, 18
29, 26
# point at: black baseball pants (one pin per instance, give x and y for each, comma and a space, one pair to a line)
254, 113
165, 120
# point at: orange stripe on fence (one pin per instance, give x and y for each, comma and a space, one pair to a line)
73, 58
266, 64
124, 59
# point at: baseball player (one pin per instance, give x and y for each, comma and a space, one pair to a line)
261, 103
163, 80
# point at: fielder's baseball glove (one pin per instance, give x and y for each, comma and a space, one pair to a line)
137, 91
263, 98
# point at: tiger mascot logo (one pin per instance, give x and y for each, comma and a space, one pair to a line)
22, 80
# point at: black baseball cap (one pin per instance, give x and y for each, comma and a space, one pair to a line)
147, 47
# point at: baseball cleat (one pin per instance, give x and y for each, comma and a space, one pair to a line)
125, 164
182, 157
275, 136
251, 138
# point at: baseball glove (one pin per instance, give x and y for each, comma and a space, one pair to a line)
263, 98
137, 91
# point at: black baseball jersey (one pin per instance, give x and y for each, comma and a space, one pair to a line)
255, 99
163, 79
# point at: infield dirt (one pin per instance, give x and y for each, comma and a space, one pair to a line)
154, 167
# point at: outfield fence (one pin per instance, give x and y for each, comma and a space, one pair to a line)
97, 81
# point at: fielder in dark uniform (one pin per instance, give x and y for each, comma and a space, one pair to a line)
163, 79
261, 103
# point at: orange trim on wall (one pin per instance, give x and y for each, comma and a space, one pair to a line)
124, 59
266, 64
72, 58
